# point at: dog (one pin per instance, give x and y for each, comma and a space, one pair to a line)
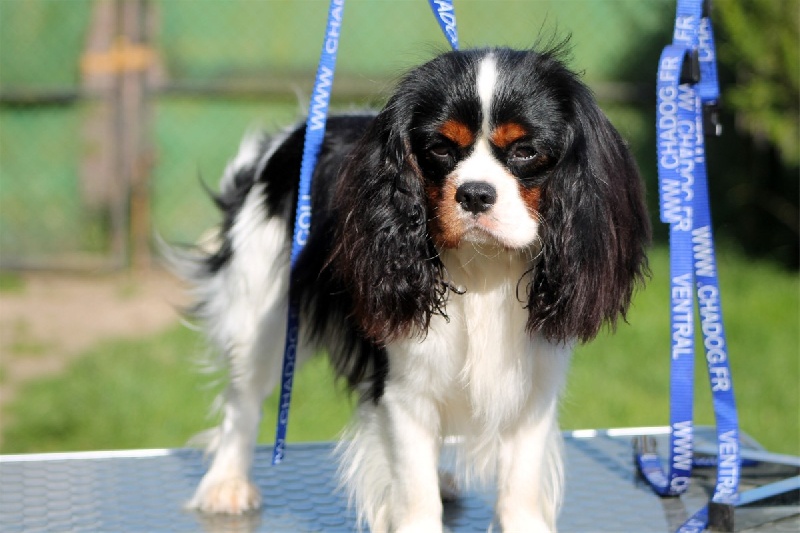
464, 238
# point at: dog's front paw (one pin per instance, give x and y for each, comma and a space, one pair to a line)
236, 495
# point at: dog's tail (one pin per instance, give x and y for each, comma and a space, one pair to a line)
200, 264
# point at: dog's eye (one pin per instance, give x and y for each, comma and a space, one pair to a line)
522, 153
440, 150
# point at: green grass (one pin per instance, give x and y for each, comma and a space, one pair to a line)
146, 393
11, 283
624, 379
152, 393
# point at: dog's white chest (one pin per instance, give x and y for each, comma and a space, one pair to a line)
495, 357
478, 363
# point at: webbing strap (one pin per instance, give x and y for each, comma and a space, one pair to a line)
686, 88
315, 133
446, 16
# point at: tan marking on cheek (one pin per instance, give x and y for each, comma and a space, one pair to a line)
445, 225
505, 134
458, 132
532, 198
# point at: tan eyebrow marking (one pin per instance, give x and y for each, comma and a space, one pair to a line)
505, 134
458, 132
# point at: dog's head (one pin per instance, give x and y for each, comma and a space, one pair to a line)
491, 147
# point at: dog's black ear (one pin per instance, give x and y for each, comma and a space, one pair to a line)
595, 231
382, 253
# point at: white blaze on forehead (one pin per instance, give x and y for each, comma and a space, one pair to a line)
509, 221
486, 81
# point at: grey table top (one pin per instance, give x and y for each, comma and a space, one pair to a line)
144, 490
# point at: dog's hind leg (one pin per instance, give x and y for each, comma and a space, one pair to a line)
244, 306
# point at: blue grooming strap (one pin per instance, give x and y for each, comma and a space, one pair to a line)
315, 132
676, 134
683, 192
708, 293
446, 16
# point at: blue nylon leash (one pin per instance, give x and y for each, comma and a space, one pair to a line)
688, 89
446, 16
315, 133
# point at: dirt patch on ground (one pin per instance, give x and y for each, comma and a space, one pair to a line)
53, 318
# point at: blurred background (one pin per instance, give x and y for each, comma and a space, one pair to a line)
114, 115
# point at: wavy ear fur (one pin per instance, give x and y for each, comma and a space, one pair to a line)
595, 231
382, 253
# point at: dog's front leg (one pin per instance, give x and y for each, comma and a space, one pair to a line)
388, 464
412, 425
531, 475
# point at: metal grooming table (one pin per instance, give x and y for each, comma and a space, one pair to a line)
144, 491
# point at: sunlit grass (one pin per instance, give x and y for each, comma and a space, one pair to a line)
151, 394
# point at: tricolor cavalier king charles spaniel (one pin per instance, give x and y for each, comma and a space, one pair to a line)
463, 240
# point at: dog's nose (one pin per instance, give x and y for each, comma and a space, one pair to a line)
476, 196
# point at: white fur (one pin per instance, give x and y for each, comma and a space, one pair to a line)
244, 310
479, 376
476, 374
486, 82
509, 221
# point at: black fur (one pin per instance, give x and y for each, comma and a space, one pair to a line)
370, 271
382, 255
326, 302
595, 224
